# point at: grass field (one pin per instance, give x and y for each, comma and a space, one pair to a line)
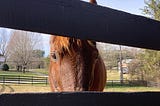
31, 72
42, 71
21, 88
28, 88
115, 75
130, 89
14, 88
15, 73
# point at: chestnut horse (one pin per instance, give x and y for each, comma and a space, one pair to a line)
75, 65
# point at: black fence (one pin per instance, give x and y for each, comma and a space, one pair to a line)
14, 79
78, 19
153, 84
4, 79
132, 83
75, 18
114, 83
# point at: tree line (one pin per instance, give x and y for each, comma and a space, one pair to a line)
146, 63
22, 49
147, 66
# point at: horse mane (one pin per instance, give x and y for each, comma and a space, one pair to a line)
67, 44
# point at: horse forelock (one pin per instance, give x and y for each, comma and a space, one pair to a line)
67, 44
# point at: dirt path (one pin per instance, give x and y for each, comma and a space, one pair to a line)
6, 89
23, 88
2, 88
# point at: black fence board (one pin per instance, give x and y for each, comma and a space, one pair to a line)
79, 19
81, 99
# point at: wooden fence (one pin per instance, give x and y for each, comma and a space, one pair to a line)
13, 79
113, 83
78, 19
153, 84
4, 79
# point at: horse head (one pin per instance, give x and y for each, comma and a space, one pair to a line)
75, 65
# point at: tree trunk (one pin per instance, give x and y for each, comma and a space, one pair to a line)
24, 69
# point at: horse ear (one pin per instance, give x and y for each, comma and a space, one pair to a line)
93, 1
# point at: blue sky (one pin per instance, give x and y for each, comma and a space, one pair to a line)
131, 6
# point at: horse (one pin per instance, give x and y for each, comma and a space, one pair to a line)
75, 65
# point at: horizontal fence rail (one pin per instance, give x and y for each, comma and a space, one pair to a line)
112, 83
81, 99
13, 79
75, 18
78, 19
153, 84
23, 79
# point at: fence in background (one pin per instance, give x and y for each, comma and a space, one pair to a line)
4, 79
82, 20
153, 84
113, 83
13, 79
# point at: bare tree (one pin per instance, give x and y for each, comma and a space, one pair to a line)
4, 38
120, 60
21, 48
109, 53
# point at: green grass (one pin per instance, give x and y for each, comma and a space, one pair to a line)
131, 89
31, 72
111, 75
23, 88
115, 75
42, 71
27, 88
14, 73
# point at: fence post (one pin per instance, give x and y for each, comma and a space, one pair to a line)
46, 80
112, 83
32, 80
129, 83
19, 79
3, 79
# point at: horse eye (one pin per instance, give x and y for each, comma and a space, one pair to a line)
54, 56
